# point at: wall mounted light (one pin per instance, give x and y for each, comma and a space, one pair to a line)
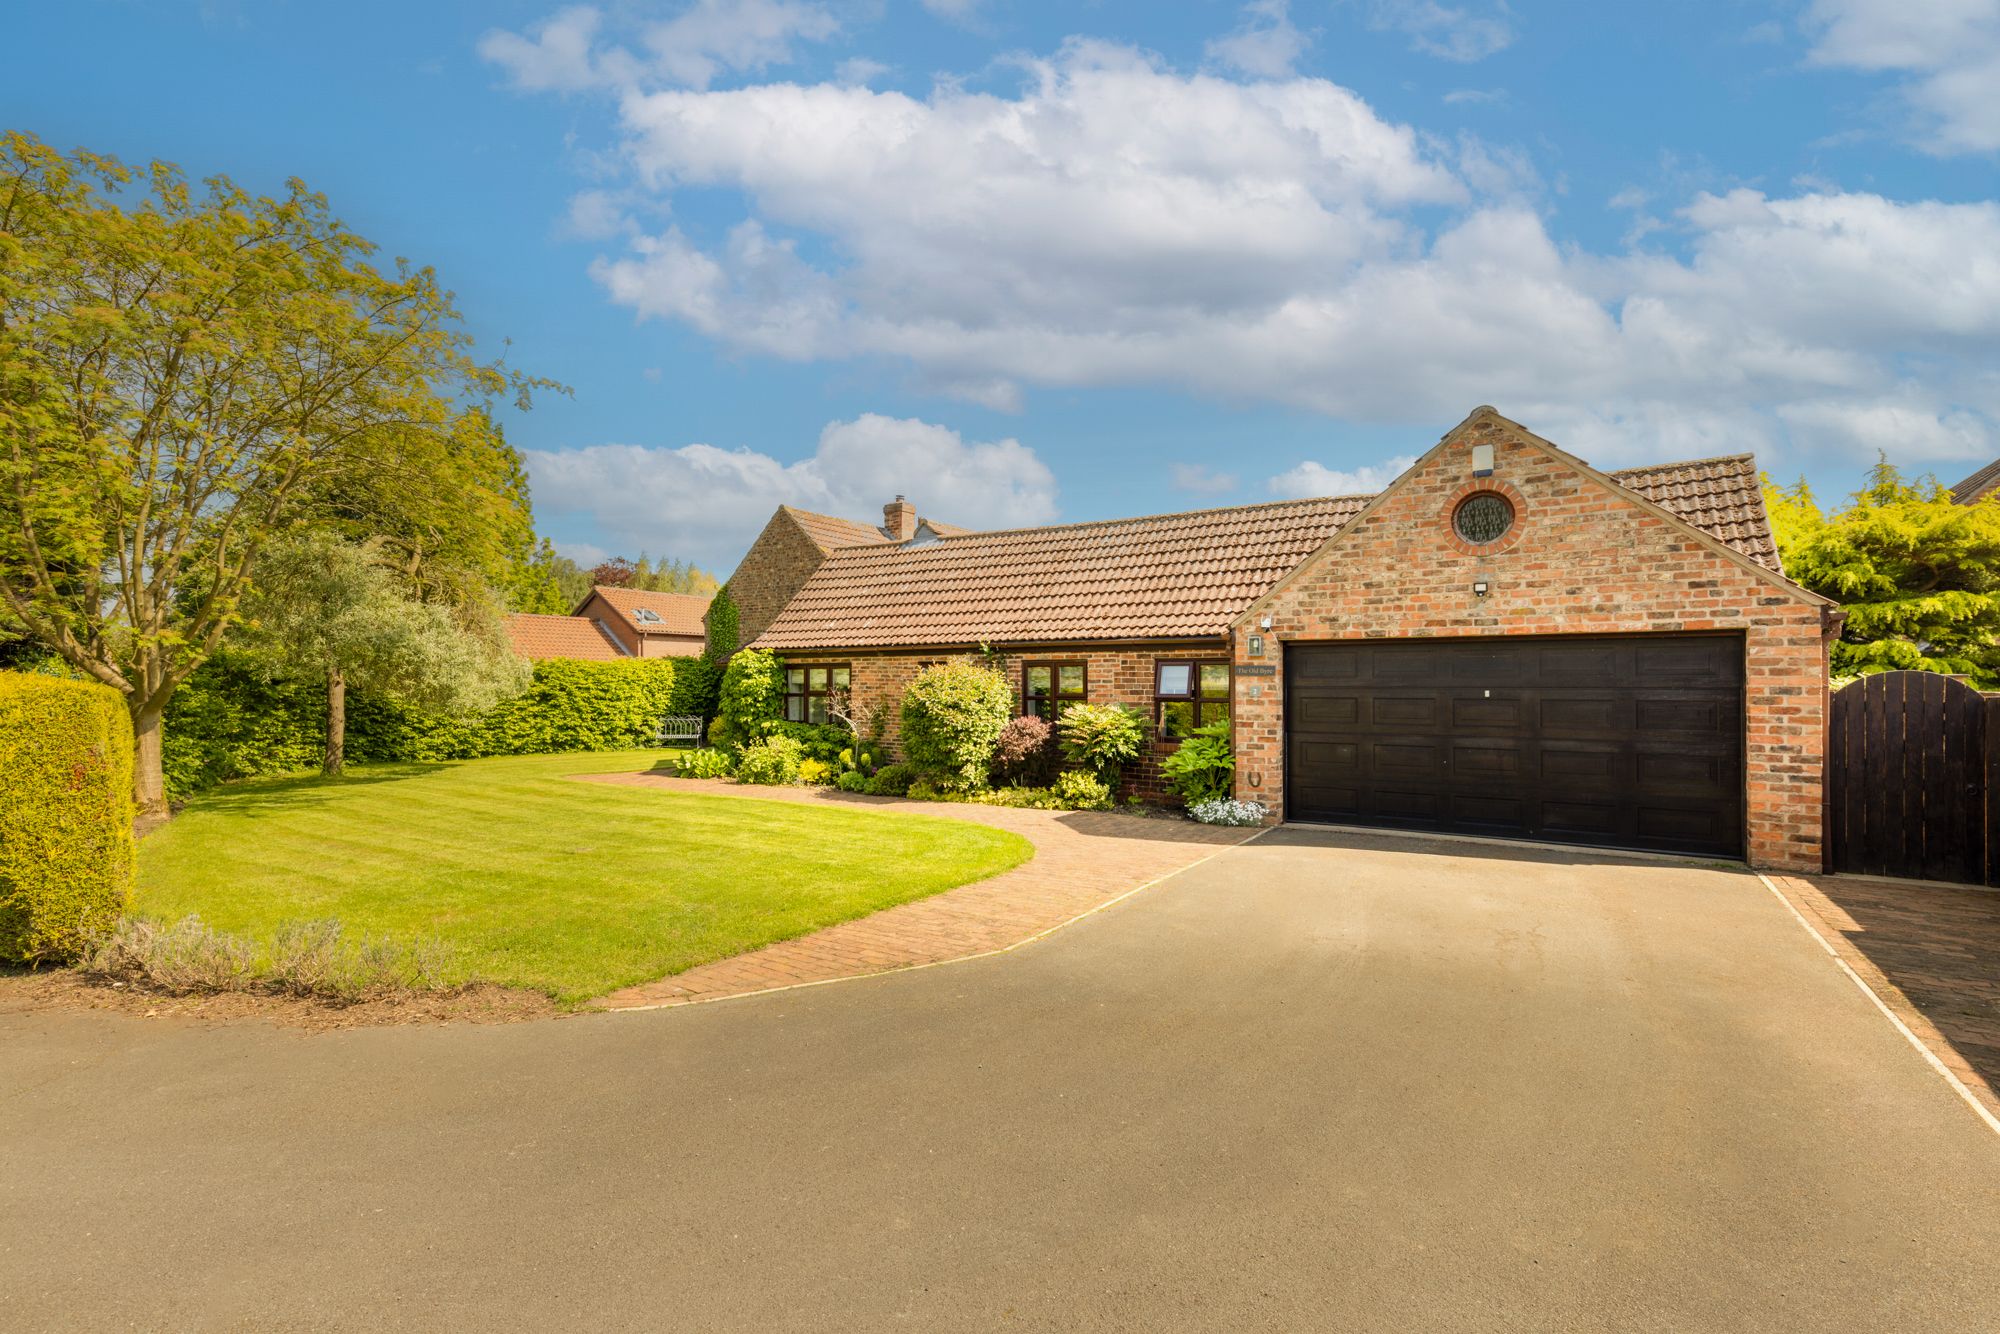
1264, 624
1256, 646
1482, 460
1479, 589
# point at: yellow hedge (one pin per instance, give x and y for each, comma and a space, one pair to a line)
65, 814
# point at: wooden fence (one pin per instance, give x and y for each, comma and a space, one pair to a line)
1913, 779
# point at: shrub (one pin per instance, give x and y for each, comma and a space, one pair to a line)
1025, 752
1226, 812
697, 688
1080, 791
770, 762
1026, 798
705, 764
1103, 738
862, 757
234, 718
953, 714
65, 814
186, 958
816, 772
818, 741
310, 959
752, 701
853, 780
1201, 768
892, 780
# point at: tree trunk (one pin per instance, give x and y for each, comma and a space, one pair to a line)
149, 783
336, 722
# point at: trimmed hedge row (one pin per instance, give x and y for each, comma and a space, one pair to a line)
232, 719
65, 814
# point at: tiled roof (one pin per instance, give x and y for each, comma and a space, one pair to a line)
1166, 576
1719, 496
831, 534
1980, 484
1172, 575
679, 613
834, 533
537, 637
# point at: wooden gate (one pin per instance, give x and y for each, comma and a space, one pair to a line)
1913, 770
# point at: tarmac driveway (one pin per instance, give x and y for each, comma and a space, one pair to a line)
1320, 1082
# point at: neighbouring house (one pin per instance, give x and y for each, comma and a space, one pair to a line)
1979, 485
647, 624
539, 637
1504, 642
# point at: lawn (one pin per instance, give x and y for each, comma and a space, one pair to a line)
534, 880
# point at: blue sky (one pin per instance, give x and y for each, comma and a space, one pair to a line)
1030, 262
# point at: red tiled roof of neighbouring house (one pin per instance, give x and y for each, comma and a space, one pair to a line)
672, 613
1978, 486
537, 637
1161, 577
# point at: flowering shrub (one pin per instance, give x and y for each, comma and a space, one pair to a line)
771, 762
816, 772
1225, 812
704, 764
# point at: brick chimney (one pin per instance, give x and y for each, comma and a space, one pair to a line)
899, 520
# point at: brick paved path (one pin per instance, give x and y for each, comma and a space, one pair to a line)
1931, 952
1083, 860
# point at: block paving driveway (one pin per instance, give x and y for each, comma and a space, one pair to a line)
1320, 1081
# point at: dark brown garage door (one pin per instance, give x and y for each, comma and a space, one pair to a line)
1632, 742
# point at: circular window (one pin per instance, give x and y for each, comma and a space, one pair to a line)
1482, 518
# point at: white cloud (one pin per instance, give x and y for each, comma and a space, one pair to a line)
1117, 222
1199, 479
1266, 45
1949, 51
563, 53
1450, 32
1476, 96
859, 70
707, 504
1316, 479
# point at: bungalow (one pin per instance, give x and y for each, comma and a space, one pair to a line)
539, 637
1505, 642
1979, 485
647, 624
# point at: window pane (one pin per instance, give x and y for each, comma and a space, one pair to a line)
1038, 680
1175, 679
840, 678
1214, 712
795, 708
818, 711
795, 678
1071, 678
1215, 680
816, 679
1176, 719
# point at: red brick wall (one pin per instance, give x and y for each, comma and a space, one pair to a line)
1112, 676
1581, 559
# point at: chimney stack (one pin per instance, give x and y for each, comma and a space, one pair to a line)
899, 520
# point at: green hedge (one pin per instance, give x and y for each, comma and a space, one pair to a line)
65, 814
232, 719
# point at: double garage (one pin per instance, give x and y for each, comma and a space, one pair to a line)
1627, 741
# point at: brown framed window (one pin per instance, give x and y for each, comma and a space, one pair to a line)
1189, 694
1049, 687
811, 692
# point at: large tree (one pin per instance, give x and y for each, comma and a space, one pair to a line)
181, 369
1918, 575
344, 612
